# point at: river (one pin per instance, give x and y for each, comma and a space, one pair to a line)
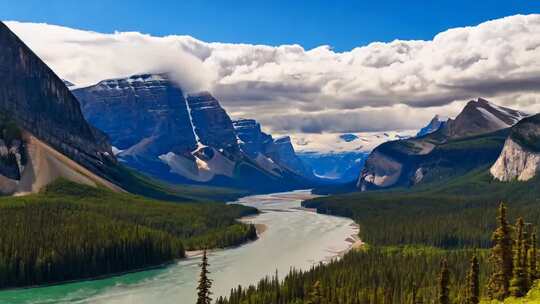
294, 237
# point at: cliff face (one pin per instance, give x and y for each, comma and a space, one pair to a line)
251, 138
39, 102
515, 163
144, 113
212, 124
520, 157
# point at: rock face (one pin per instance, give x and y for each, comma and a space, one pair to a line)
251, 138
213, 126
520, 157
281, 151
474, 139
39, 102
43, 134
144, 113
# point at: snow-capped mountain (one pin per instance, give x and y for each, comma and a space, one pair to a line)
158, 129
435, 124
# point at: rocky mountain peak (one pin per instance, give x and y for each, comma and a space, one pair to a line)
40, 103
481, 116
435, 124
138, 112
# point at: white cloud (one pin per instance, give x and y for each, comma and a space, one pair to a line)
381, 86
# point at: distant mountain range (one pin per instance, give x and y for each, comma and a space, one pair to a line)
189, 138
339, 157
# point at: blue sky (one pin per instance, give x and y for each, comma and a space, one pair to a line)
341, 24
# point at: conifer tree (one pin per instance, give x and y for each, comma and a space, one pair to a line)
531, 259
315, 296
501, 258
518, 284
444, 282
205, 283
473, 282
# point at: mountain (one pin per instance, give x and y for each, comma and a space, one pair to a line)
44, 134
473, 139
269, 152
435, 124
481, 116
520, 157
157, 128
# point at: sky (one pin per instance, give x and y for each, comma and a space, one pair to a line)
342, 24
302, 67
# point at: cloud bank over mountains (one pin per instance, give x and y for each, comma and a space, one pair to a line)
381, 86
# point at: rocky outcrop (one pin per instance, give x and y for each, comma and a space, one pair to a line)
39, 103
515, 163
212, 125
520, 157
380, 171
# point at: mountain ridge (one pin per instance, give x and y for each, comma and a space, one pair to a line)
472, 139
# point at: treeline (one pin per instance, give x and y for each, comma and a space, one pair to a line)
377, 275
411, 274
455, 215
72, 231
409, 233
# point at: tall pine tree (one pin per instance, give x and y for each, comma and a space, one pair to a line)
205, 283
532, 262
501, 257
518, 284
473, 282
444, 282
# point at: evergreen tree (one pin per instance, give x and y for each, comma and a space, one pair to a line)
531, 259
444, 282
473, 282
205, 283
315, 296
518, 284
501, 258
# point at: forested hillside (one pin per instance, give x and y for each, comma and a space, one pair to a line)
408, 234
71, 231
